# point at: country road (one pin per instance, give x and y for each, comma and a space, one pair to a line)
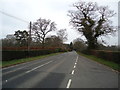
66, 70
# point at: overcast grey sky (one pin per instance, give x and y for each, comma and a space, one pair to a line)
55, 10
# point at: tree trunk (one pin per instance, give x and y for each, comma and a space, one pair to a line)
92, 43
43, 42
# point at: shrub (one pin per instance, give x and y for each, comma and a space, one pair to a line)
107, 55
11, 55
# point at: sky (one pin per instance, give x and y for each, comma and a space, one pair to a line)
55, 10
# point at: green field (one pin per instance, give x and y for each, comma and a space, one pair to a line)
18, 61
110, 64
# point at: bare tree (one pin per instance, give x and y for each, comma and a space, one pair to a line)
41, 28
92, 21
62, 34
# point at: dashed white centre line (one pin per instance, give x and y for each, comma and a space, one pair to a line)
69, 83
74, 67
77, 59
73, 72
38, 67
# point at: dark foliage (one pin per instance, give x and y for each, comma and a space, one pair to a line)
107, 55
8, 55
92, 21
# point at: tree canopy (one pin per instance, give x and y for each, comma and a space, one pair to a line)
41, 28
92, 21
62, 34
22, 37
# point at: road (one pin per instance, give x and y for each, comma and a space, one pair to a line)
66, 70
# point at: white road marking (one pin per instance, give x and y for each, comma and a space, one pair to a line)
6, 80
38, 67
69, 83
14, 65
73, 72
13, 78
74, 67
77, 59
20, 68
75, 63
12, 71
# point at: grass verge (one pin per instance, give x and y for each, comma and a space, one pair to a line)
110, 64
18, 61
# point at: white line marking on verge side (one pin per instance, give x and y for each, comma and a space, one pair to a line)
20, 68
69, 83
14, 65
73, 72
13, 70
38, 67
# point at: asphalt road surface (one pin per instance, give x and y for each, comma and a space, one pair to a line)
67, 70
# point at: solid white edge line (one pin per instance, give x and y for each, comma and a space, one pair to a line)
12, 71
69, 83
4, 68
38, 67
17, 68
73, 72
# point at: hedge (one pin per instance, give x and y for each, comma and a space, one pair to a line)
18, 54
107, 55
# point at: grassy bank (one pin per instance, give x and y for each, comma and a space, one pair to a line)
110, 64
18, 61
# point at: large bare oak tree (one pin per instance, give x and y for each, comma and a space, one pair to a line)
92, 21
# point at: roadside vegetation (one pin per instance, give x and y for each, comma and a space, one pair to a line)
93, 22
18, 61
35, 42
110, 64
88, 18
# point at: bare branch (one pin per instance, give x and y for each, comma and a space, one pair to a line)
42, 27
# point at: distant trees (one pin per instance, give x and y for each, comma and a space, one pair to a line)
92, 21
39, 35
9, 41
62, 34
22, 37
79, 44
41, 28
53, 41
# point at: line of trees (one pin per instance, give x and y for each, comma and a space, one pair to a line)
39, 36
91, 20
